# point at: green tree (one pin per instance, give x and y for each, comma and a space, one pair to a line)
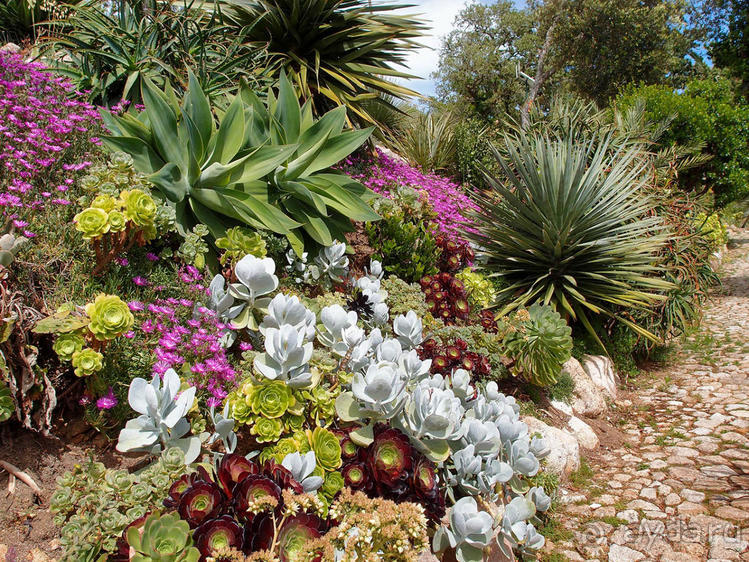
479, 58
730, 48
500, 58
607, 44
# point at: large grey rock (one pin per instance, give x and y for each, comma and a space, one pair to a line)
588, 399
583, 433
564, 457
601, 371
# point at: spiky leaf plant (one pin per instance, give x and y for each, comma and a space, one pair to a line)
568, 225
338, 52
265, 165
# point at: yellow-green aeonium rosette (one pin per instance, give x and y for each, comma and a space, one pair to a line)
139, 207
110, 317
68, 344
92, 222
87, 362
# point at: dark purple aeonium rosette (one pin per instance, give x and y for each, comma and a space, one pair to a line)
218, 533
203, 500
252, 488
233, 469
389, 457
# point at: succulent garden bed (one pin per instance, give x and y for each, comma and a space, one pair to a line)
234, 328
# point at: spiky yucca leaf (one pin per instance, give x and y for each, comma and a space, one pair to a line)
338, 52
568, 225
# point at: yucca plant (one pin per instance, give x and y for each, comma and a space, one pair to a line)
265, 165
428, 140
337, 52
568, 225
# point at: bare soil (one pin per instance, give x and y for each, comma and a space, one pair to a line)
26, 528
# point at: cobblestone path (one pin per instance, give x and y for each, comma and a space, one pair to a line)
678, 490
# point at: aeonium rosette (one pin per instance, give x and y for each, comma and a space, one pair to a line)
249, 507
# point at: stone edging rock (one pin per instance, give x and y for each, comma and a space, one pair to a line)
596, 384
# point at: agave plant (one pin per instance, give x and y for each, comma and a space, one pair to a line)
110, 53
569, 226
338, 52
263, 165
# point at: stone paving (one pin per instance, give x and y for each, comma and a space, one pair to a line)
678, 490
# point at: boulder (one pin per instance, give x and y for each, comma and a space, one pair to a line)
588, 399
564, 457
562, 407
583, 433
10, 49
601, 371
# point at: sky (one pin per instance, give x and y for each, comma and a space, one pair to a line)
440, 15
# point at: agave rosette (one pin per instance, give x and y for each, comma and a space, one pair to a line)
263, 165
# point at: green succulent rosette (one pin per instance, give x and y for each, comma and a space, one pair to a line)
139, 207
87, 362
321, 404
92, 222
239, 242
163, 537
302, 441
266, 430
327, 448
293, 422
117, 221
285, 446
66, 345
110, 317
270, 399
240, 410
332, 484
104, 202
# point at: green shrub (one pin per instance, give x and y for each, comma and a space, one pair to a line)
404, 240
712, 228
473, 152
568, 225
708, 113
262, 165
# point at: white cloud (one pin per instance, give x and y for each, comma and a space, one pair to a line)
439, 15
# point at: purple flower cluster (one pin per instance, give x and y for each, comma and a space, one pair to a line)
187, 338
44, 135
384, 173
